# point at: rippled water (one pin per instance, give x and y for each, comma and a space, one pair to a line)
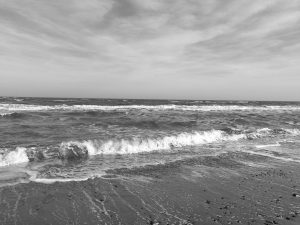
44, 139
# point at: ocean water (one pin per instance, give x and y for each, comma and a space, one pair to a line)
51, 139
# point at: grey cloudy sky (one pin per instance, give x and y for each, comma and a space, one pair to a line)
197, 49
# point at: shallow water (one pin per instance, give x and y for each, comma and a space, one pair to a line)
45, 139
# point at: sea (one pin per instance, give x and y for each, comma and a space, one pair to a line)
72, 139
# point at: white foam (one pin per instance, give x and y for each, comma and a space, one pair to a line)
14, 157
25, 107
53, 180
34, 178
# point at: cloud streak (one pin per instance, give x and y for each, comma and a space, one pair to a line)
151, 49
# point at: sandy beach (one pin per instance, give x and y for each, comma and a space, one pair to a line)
149, 112
203, 190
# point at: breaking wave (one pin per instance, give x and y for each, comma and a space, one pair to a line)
76, 149
73, 150
25, 107
137, 145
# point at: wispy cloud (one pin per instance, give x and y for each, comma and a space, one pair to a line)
153, 48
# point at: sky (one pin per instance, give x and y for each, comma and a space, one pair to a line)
159, 49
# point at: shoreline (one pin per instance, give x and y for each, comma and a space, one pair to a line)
197, 191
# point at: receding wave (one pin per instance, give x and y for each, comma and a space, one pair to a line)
274, 156
24, 107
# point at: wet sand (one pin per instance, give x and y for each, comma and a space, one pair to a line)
204, 190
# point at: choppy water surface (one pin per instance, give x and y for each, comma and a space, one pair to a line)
43, 139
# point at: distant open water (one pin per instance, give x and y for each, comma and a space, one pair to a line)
49, 139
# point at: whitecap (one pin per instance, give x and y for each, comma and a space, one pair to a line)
25, 107
14, 157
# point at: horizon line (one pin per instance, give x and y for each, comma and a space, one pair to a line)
154, 99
